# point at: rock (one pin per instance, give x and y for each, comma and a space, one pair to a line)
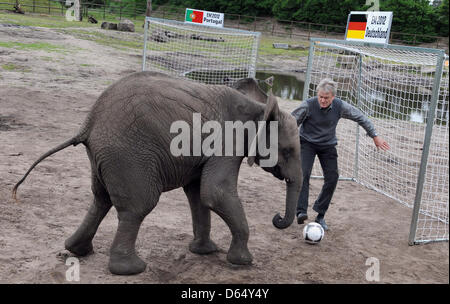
159, 37
298, 47
205, 38
109, 26
126, 26
281, 45
347, 61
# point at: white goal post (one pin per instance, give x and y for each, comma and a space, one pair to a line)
201, 53
404, 91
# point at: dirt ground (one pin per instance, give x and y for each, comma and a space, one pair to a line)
43, 101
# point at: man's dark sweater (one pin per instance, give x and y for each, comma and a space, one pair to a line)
318, 126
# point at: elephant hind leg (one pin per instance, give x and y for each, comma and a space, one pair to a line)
201, 221
134, 196
80, 243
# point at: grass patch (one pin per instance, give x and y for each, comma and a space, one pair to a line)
107, 40
12, 67
9, 67
34, 46
266, 48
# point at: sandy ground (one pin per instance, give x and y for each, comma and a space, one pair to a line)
44, 100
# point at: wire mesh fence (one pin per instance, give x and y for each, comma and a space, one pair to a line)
204, 54
393, 86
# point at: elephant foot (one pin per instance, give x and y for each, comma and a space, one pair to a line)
126, 264
202, 247
78, 248
239, 257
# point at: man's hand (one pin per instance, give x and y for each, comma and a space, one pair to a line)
380, 143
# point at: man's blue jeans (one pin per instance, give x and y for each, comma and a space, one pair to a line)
328, 160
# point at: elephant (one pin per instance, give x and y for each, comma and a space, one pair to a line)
127, 139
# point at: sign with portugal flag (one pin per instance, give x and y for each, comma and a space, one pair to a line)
203, 17
369, 26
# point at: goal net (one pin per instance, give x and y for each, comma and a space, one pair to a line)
404, 91
201, 53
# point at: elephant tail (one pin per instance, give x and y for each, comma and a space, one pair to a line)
73, 141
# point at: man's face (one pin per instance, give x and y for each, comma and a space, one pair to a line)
325, 98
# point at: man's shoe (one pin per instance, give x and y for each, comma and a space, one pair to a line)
301, 217
321, 221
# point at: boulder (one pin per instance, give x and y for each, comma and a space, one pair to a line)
126, 26
109, 26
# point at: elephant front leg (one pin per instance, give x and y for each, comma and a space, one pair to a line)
231, 211
201, 221
219, 192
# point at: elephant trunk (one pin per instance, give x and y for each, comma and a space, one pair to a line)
292, 194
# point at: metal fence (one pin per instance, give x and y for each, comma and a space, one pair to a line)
268, 26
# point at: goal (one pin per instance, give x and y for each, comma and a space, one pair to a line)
201, 53
404, 91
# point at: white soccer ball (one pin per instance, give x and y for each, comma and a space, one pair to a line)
313, 233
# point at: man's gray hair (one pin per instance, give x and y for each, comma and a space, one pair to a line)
327, 85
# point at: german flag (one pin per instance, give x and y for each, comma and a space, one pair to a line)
356, 27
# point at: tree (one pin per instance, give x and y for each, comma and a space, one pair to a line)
411, 16
442, 19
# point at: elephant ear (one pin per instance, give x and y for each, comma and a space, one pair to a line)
271, 113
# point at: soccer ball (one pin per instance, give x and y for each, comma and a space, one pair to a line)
313, 233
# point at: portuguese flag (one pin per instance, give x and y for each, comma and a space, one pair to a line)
194, 16
356, 27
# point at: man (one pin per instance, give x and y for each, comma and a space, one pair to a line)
318, 117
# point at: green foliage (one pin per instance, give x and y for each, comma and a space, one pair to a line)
286, 9
442, 19
412, 16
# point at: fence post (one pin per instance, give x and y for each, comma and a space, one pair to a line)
292, 28
426, 147
273, 27
358, 98
120, 11
49, 7
104, 11
308, 70
254, 27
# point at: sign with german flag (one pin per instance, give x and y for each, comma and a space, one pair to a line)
203, 17
369, 26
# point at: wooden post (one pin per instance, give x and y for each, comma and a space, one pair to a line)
292, 27
148, 11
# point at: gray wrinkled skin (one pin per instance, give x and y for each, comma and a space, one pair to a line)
127, 140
